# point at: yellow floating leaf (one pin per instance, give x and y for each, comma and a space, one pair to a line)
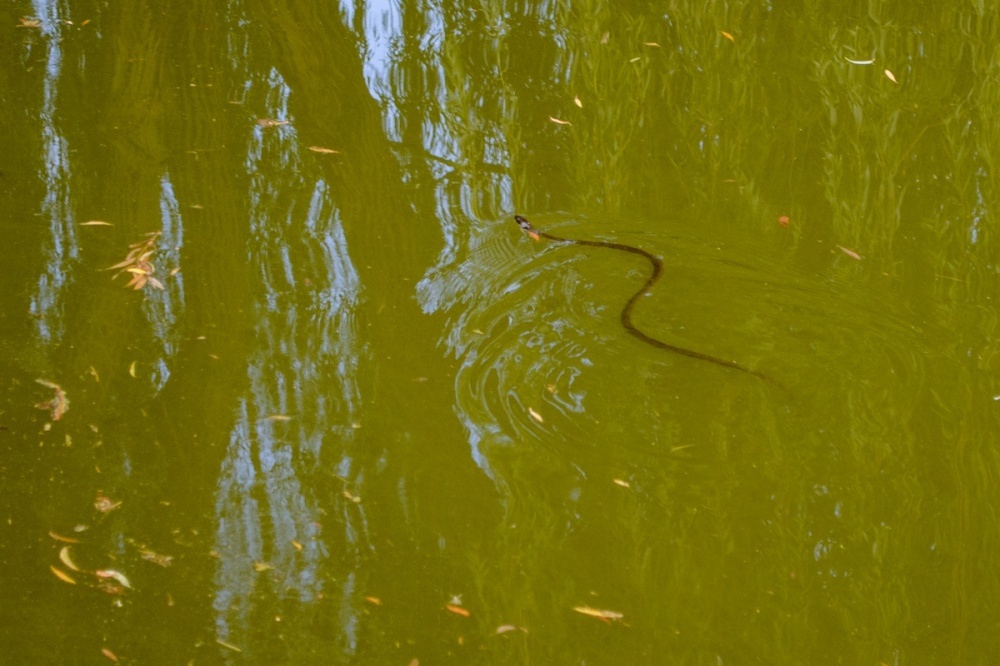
65, 559
535, 415
279, 417
728, 36
860, 62
109, 654
297, 545
62, 575
375, 601
889, 75
228, 646
623, 483
558, 121
653, 44
96, 223
271, 122
504, 628
576, 100
598, 613
322, 150
260, 567
131, 369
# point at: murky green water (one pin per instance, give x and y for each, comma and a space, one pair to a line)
369, 421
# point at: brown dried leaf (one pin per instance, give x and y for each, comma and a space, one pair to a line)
105, 504
458, 610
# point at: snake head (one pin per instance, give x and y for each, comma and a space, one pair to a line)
526, 227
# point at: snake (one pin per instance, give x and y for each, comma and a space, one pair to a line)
626, 315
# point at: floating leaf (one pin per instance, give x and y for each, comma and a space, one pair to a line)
576, 100
850, 253
105, 504
59, 537
114, 575
535, 415
59, 404
458, 610
65, 559
109, 654
96, 223
783, 220
228, 646
598, 613
889, 75
261, 567
375, 601
861, 62
322, 150
62, 575
271, 122
505, 628
28, 23
622, 482
558, 121
728, 36
156, 558
137, 263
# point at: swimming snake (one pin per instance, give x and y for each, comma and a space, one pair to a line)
626, 315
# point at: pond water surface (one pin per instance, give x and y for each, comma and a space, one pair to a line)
350, 413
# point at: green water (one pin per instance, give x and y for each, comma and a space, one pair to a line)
371, 422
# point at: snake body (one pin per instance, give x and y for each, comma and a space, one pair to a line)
626, 315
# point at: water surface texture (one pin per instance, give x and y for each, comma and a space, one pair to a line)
334, 406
